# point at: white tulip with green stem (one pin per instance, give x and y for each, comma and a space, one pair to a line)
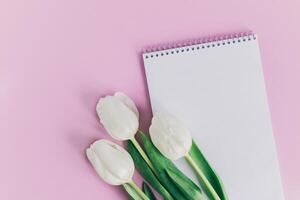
113, 164
174, 141
120, 117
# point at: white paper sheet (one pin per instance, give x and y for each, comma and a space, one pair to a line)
219, 93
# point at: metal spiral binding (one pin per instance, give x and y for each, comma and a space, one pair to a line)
197, 44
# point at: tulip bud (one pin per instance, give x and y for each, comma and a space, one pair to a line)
112, 163
170, 136
119, 116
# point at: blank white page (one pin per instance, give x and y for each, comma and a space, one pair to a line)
217, 89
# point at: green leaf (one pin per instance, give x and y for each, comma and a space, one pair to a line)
146, 172
185, 185
133, 195
208, 171
161, 164
147, 190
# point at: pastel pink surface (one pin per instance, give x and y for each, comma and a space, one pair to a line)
58, 57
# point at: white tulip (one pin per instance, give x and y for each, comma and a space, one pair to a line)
170, 136
119, 116
174, 141
112, 163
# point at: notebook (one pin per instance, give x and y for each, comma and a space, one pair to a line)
216, 87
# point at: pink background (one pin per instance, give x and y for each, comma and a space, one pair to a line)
57, 57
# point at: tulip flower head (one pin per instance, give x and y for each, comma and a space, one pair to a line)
111, 162
170, 136
119, 116
174, 141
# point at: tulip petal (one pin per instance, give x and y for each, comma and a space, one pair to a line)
101, 171
118, 120
147, 190
112, 163
128, 102
170, 136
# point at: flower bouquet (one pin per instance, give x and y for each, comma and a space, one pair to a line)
153, 156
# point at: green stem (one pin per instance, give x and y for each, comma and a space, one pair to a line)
202, 177
138, 190
143, 154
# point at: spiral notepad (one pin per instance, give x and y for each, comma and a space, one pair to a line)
216, 87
